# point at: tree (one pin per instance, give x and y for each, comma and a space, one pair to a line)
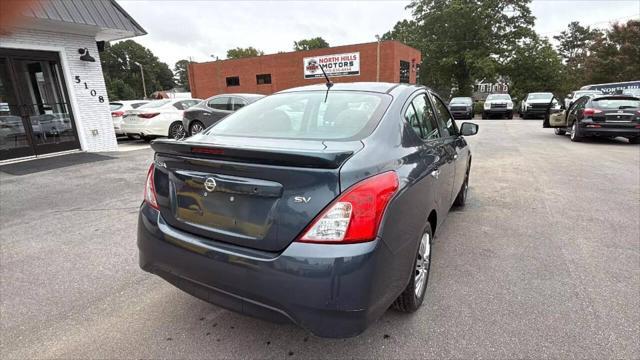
239, 52
535, 66
309, 44
181, 74
122, 75
464, 40
615, 56
574, 42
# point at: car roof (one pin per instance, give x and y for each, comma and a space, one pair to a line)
541, 93
378, 87
127, 101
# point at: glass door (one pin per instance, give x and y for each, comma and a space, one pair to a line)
14, 140
39, 94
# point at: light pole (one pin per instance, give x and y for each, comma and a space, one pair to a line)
144, 87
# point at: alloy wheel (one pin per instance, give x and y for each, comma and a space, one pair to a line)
196, 128
177, 132
422, 265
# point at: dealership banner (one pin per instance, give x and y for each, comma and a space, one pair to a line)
334, 65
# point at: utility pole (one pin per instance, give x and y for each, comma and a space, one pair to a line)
144, 87
378, 59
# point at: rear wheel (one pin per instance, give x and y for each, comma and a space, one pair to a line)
176, 131
575, 136
196, 127
413, 295
559, 131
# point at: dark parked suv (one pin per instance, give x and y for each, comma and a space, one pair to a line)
311, 205
597, 116
461, 107
211, 110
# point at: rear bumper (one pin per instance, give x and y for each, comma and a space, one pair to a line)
144, 129
324, 289
609, 130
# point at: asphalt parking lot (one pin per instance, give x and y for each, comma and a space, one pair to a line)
544, 261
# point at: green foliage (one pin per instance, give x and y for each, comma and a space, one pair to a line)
535, 66
574, 44
122, 75
309, 44
463, 40
615, 56
239, 52
181, 74
478, 107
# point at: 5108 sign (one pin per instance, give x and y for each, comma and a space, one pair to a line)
93, 92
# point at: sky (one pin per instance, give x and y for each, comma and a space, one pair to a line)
198, 30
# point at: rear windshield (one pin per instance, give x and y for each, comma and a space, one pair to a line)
137, 105
346, 115
154, 104
499, 97
461, 100
613, 104
115, 106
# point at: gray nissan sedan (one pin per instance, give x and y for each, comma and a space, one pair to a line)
315, 205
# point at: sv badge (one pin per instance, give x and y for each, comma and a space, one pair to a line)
301, 199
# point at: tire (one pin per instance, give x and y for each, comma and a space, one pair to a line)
412, 296
575, 132
510, 116
132, 137
524, 116
635, 140
195, 127
559, 131
461, 199
176, 131
146, 138
484, 116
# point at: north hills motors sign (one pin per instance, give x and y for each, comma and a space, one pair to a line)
334, 65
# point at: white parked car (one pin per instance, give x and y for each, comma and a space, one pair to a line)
118, 108
157, 118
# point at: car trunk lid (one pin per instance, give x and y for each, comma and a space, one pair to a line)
259, 196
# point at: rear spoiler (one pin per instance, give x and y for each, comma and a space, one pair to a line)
330, 159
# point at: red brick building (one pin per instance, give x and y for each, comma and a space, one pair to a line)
388, 61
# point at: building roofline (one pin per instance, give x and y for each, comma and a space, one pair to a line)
305, 51
126, 14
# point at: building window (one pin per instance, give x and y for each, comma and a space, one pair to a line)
233, 81
263, 79
404, 71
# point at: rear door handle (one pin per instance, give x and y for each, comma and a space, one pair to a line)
435, 173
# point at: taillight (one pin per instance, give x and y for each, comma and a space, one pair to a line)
117, 113
356, 214
150, 190
592, 112
148, 115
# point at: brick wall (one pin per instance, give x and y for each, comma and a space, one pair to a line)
88, 112
286, 69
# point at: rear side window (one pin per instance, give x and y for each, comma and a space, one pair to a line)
219, 103
115, 106
346, 115
615, 104
238, 103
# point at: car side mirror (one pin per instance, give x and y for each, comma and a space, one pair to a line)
469, 129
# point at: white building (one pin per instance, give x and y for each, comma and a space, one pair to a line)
52, 92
